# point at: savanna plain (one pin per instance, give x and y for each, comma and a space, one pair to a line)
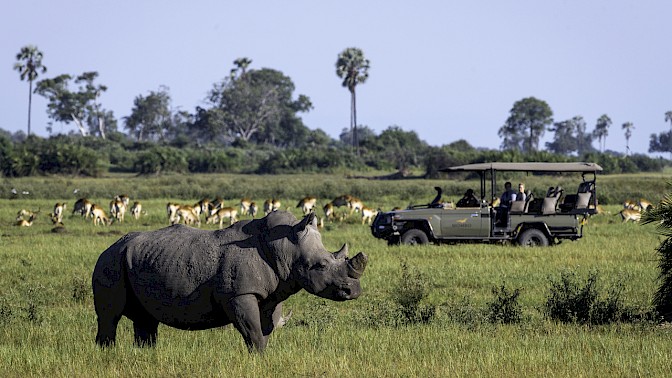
47, 320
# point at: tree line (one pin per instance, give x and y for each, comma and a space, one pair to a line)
250, 122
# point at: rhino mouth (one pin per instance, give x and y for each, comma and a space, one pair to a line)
342, 293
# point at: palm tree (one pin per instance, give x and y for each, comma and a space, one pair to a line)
241, 65
29, 65
601, 130
628, 126
353, 68
668, 118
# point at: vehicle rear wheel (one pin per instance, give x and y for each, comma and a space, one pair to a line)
414, 237
533, 237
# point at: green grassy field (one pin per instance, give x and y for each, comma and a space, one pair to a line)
47, 321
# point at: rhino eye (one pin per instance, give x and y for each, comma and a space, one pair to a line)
318, 266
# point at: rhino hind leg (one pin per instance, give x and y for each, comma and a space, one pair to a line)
107, 331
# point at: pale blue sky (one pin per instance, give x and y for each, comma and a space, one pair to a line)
447, 69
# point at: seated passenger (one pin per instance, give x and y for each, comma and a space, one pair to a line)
469, 200
508, 196
521, 196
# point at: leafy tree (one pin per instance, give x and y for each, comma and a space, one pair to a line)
402, 147
564, 140
29, 66
661, 142
254, 106
628, 126
151, 116
527, 123
364, 135
80, 107
602, 130
353, 68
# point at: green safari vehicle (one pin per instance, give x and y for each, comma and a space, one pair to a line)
536, 221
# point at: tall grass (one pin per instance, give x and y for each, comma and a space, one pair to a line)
47, 322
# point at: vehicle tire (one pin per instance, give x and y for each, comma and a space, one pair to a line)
414, 237
533, 237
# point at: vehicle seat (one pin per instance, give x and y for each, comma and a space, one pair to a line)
551, 201
584, 193
519, 207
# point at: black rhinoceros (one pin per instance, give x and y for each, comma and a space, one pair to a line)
196, 279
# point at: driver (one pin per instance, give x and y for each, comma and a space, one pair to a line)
468, 200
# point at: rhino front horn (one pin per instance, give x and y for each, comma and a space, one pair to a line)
356, 265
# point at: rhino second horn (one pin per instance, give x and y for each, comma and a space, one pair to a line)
356, 265
342, 253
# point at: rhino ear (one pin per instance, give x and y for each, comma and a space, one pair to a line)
307, 220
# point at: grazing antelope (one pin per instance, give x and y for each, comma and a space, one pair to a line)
216, 203
204, 206
630, 214
268, 208
224, 212
245, 204
307, 204
645, 205
329, 211
99, 216
171, 209
26, 223
23, 213
352, 203
368, 214
253, 209
275, 204
187, 215
629, 204
271, 205
57, 216
136, 210
83, 207
123, 198
118, 210
355, 205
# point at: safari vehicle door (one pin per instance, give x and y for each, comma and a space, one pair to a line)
465, 222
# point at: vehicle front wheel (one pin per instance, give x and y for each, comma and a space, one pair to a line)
533, 237
414, 237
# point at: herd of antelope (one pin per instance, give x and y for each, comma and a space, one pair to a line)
86, 209
632, 210
211, 211
216, 212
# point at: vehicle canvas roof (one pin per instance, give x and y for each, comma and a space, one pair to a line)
527, 167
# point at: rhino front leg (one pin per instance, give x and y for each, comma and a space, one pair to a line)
244, 310
145, 331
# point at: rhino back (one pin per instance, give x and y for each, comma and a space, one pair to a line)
180, 264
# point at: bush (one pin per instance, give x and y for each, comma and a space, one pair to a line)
572, 301
411, 289
504, 308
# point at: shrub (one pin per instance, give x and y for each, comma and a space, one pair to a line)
571, 300
409, 292
504, 308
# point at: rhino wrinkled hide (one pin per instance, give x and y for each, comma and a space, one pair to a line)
196, 279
